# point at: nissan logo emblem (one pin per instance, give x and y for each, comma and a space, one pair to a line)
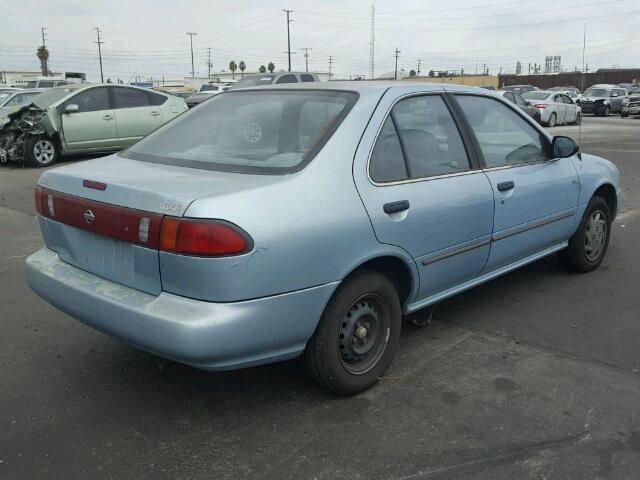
89, 217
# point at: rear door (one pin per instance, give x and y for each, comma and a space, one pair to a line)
535, 196
423, 191
93, 126
136, 114
571, 110
559, 108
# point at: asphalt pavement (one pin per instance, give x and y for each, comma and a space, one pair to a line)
534, 375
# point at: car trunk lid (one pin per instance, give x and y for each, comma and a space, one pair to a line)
104, 216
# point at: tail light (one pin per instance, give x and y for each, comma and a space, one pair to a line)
44, 203
202, 237
540, 105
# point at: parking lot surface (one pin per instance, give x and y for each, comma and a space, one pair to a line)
534, 375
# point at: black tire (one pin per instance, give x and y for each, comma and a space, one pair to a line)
581, 256
607, 111
41, 151
624, 115
552, 120
538, 118
578, 120
337, 355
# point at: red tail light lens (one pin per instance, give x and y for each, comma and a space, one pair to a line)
202, 237
540, 105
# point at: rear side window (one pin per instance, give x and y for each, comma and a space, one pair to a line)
505, 137
45, 84
91, 100
387, 162
257, 131
129, 98
156, 98
287, 79
305, 77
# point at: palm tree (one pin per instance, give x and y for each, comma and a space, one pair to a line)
43, 56
271, 67
242, 66
233, 67
262, 69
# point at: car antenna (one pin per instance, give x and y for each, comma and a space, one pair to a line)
584, 48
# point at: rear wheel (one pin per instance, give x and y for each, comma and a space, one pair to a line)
578, 119
41, 151
588, 246
357, 336
552, 120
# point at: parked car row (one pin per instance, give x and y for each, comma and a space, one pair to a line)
547, 107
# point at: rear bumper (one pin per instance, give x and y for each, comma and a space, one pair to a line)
211, 336
631, 109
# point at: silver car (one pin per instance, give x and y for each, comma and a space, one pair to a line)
275, 222
555, 108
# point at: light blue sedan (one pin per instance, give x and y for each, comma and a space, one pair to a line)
274, 222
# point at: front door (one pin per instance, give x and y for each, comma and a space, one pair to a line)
424, 194
136, 116
535, 196
93, 126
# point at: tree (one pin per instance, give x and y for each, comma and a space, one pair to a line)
233, 67
43, 56
412, 73
262, 69
242, 66
271, 67
432, 73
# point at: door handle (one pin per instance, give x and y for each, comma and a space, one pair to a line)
107, 117
504, 186
395, 207
155, 114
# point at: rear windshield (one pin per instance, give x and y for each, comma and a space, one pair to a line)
256, 81
259, 131
536, 95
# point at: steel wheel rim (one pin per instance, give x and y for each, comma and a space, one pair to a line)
595, 236
364, 334
44, 151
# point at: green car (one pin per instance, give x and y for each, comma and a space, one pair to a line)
88, 118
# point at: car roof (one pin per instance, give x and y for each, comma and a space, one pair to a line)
369, 86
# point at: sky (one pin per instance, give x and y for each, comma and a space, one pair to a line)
147, 39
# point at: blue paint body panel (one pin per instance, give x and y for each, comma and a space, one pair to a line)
310, 230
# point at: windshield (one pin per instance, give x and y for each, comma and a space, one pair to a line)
596, 92
44, 99
17, 100
254, 81
536, 95
252, 132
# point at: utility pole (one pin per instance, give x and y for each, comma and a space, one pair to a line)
209, 62
419, 62
395, 74
584, 49
99, 42
306, 58
330, 64
288, 36
44, 46
193, 67
372, 44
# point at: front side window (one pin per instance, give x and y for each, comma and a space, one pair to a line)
45, 84
129, 98
505, 137
252, 131
305, 77
91, 100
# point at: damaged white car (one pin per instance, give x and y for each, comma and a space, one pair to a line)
78, 119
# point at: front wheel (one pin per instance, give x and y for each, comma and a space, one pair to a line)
357, 336
607, 111
624, 115
41, 151
588, 246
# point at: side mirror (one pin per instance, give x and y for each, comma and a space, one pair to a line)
71, 108
564, 147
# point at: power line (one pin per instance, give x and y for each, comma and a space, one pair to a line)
193, 67
99, 42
